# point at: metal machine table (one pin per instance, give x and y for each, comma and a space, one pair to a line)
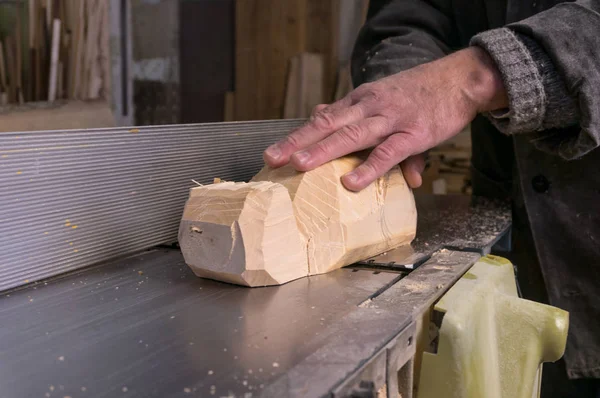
145, 326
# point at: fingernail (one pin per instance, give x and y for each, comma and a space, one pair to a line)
273, 152
302, 157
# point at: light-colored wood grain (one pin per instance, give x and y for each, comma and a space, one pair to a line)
295, 224
238, 229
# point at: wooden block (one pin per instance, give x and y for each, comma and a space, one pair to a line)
232, 232
285, 224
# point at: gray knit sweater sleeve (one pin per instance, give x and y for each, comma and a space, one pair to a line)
538, 98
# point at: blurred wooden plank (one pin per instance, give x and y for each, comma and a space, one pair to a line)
352, 16
78, 52
53, 76
11, 68
305, 85
344, 83
291, 106
42, 55
3, 71
268, 34
48, 12
104, 53
229, 114
32, 28
94, 80
60, 115
19, 54
207, 66
322, 36
59, 81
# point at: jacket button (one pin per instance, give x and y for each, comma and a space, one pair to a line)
540, 184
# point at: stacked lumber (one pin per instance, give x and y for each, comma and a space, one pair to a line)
57, 50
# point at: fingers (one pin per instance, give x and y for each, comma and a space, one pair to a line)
324, 123
412, 168
350, 138
392, 151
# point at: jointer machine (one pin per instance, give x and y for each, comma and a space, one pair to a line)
97, 300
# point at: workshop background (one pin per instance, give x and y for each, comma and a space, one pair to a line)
105, 63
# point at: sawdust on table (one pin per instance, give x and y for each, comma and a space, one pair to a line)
414, 286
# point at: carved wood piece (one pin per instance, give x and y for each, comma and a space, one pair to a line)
285, 224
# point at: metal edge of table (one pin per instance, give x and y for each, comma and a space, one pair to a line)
400, 304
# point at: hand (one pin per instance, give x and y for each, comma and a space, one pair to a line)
401, 116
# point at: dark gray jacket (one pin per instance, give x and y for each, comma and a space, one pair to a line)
542, 152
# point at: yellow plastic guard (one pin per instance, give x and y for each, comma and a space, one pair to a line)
491, 343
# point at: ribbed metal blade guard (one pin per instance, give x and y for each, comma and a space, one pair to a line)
70, 199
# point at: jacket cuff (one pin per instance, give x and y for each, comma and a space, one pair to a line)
561, 109
522, 81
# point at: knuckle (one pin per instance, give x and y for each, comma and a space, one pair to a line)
293, 141
383, 124
352, 134
368, 170
376, 94
384, 154
321, 150
360, 90
318, 108
324, 120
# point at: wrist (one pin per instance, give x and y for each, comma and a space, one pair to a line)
482, 86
